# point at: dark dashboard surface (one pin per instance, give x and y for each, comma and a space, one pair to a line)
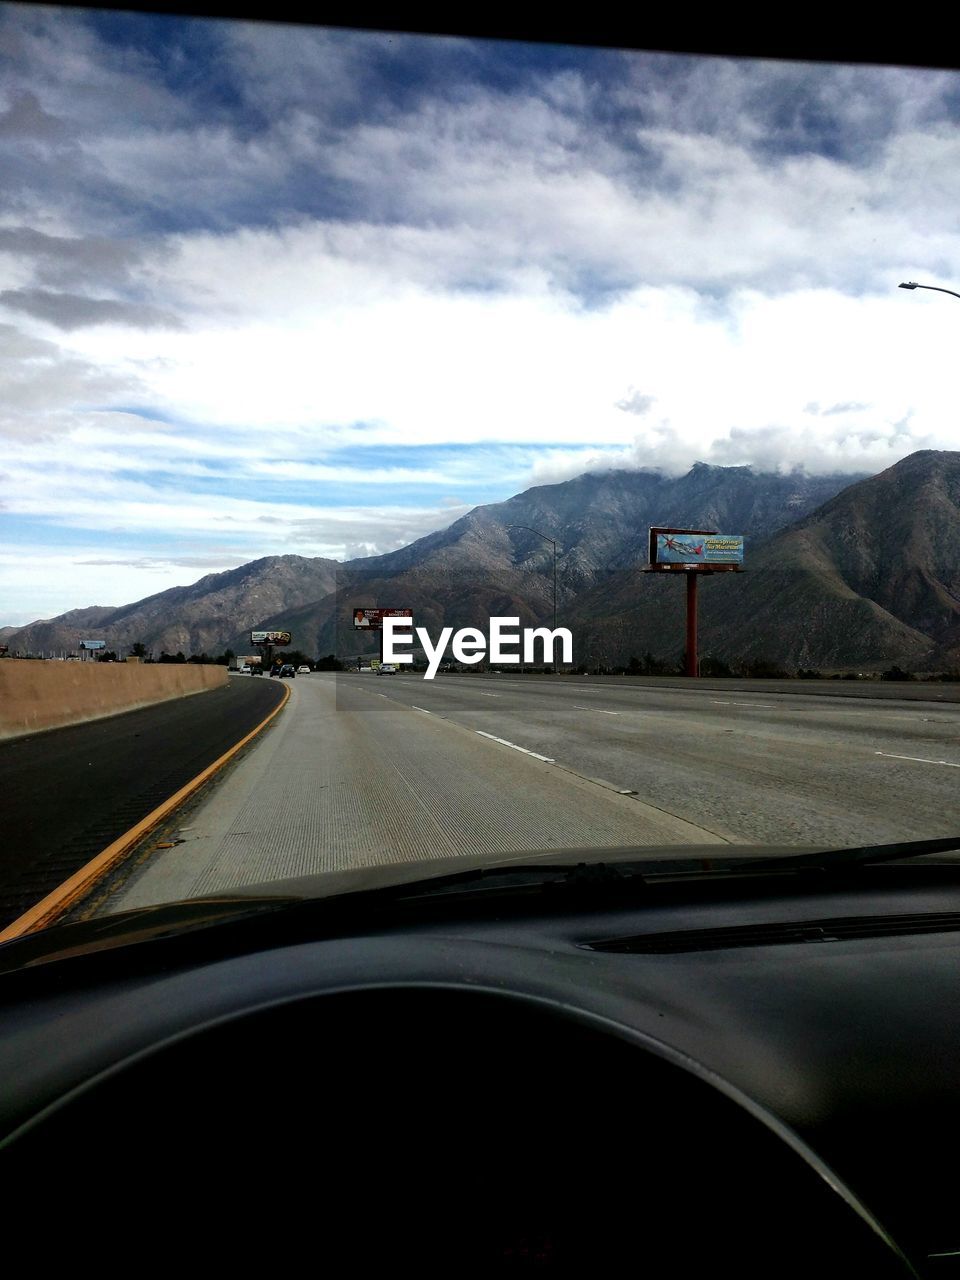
758, 1080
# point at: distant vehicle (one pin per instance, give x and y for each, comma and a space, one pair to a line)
303, 671
386, 669
288, 670
244, 670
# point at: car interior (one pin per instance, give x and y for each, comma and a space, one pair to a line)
699, 1075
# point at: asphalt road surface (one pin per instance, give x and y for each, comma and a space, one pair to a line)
365, 769
68, 793
743, 759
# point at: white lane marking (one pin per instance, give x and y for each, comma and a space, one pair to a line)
423, 709
919, 759
494, 738
599, 710
486, 695
728, 703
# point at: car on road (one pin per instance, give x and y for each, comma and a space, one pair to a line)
288, 671
386, 669
303, 671
244, 670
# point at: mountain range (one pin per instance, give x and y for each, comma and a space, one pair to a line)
870, 579
841, 571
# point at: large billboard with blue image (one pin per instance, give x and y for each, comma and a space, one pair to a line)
699, 548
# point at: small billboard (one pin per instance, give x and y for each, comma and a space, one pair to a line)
93, 644
270, 637
372, 619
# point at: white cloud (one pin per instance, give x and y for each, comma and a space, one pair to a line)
651, 261
434, 368
150, 554
42, 385
75, 311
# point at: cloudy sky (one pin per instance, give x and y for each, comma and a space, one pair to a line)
269, 290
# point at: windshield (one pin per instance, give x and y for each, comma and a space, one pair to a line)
424, 452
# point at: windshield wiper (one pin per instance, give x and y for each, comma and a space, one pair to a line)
835, 859
640, 874
568, 882
533, 875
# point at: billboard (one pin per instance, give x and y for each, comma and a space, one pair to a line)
93, 644
372, 619
270, 637
698, 548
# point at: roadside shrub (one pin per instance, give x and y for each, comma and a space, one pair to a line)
763, 669
714, 667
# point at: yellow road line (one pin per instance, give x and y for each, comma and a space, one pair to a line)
57, 903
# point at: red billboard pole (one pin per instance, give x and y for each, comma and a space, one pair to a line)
693, 552
692, 668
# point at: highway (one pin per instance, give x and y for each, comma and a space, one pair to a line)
365, 769
67, 793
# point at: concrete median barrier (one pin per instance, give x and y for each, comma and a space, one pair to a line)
38, 695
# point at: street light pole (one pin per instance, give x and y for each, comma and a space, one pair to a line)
554, 545
912, 284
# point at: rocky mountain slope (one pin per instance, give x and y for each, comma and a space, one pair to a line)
840, 572
193, 619
871, 578
491, 561
459, 575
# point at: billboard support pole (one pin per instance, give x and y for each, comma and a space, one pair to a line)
372, 620
710, 563
692, 665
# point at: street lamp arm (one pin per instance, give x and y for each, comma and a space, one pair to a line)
911, 284
531, 530
553, 544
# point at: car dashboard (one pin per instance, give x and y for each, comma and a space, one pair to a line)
761, 1081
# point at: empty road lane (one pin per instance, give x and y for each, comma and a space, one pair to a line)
752, 764
362, 770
